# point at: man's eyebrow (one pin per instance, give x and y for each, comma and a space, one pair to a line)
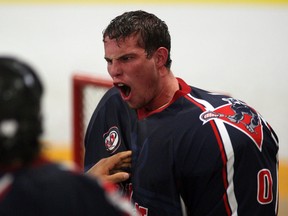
119, 57
108, 60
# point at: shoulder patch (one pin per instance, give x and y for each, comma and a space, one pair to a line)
239, 115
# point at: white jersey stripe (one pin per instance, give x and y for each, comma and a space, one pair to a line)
183, 207
5, 182
229, 155
230, 165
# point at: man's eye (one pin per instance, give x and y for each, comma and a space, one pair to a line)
126, 58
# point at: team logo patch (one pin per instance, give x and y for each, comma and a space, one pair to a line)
112, 139
239, 115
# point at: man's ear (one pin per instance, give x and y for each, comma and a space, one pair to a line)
161, 56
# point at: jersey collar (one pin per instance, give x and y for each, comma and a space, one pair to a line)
184, 89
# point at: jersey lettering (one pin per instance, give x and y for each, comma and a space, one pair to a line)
141, 210
265, 183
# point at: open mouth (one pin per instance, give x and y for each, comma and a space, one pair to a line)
124, 89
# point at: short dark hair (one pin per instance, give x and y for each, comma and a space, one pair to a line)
153, 32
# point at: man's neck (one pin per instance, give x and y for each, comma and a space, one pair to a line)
165, 95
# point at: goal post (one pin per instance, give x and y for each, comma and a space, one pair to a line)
87, 91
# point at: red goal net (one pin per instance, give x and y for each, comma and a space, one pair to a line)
87, 92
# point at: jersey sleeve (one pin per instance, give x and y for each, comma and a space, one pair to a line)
109, 132
222, 158
108, 129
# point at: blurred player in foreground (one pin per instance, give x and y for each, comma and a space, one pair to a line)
194, 152
31, 185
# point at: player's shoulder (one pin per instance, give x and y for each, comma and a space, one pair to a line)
58, 183
55, 178
111, 101
111, 94
204, 93
111, 98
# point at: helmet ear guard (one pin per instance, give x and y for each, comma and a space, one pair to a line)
20, 111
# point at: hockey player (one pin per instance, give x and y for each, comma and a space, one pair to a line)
190, 155
29, 184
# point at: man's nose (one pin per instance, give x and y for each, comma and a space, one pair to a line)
115, 69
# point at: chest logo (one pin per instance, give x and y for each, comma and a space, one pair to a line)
112, 139
239, 115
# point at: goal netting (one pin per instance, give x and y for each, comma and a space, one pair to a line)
87, 91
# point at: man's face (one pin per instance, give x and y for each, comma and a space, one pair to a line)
135, 75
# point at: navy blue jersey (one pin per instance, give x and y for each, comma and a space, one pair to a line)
109, 130
49, 189
213, 152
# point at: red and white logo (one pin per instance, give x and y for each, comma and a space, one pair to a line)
239, 115
112, 139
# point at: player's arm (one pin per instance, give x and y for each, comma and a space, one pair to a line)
112, 168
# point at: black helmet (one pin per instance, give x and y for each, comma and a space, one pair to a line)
20, 111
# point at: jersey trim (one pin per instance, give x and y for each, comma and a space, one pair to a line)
227, 154
5, 184
184, 89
